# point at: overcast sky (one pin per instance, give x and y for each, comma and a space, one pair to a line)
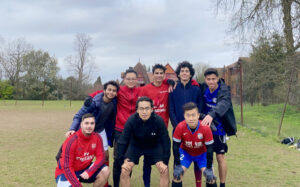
123, 31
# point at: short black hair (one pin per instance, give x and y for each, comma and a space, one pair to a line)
88, 115
185, 64
158, 66
144, 98
210, 71
114, 83
189, 106
130, 70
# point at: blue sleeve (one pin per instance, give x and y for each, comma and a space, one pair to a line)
223, 103
77, 118
172, 110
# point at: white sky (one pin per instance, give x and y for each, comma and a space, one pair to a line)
123, 31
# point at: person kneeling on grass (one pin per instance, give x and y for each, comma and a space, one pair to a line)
78, 151
192, 142
145, 134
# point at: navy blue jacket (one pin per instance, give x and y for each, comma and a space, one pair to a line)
223, 108
95, 109
180, 96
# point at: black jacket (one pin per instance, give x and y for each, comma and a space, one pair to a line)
223, 109
145, 135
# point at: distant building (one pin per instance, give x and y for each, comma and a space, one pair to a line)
142, 75
145, 77
170, 73
231, 75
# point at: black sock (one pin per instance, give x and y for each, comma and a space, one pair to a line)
222, 184
211, 185
176, 184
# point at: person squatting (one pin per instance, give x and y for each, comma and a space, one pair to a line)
134, 121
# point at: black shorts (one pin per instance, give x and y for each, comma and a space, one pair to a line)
220, 146
152, 155
61, 179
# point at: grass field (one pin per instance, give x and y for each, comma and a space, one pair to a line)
31, 135
265, 120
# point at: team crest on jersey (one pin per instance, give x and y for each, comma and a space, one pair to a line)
214, 100
200, 136
93, 146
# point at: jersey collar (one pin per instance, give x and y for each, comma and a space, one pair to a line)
195, 129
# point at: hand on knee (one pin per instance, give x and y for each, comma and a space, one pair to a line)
127, 167
162, 168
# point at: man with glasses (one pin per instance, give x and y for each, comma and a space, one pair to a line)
127, 97
145, 134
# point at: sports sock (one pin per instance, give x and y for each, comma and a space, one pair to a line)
211, 185
222, 184
198, 175
176, 184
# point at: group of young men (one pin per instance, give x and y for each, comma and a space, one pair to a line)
134, 120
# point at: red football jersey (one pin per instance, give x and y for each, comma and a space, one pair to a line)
78, 152
160, 96
127, 98
193, 142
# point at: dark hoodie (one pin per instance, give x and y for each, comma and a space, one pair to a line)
145, 135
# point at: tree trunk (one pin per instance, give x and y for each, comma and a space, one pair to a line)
287, 22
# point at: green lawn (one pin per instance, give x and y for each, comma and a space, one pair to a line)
31, 135
265, 120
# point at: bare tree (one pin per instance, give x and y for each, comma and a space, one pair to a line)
12, 59
81, 63
199, 71
265, 17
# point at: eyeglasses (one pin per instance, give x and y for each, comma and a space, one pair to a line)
144, 109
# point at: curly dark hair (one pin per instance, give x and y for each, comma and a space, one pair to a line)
185, 64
